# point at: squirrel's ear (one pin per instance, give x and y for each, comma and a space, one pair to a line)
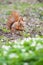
21, 19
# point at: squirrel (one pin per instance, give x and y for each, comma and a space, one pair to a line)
15, 22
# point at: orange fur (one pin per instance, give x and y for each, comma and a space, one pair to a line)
15, 22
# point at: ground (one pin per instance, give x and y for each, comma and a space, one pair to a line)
32, 14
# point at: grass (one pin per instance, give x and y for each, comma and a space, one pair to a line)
38, 5
21, 52
6, 9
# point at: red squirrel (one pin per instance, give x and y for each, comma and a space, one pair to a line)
15, 22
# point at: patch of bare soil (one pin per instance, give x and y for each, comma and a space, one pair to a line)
9, 35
